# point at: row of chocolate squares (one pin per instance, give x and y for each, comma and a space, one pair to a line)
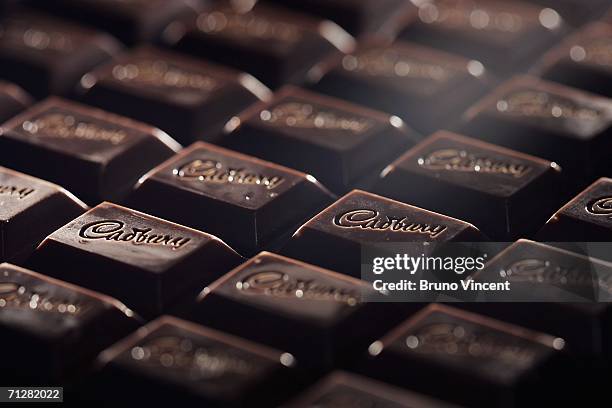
274, 325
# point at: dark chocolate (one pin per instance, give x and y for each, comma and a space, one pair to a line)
504, 193
185, 97
146, 262
92, 153
248, 202
339, 143
12, 100
335, 237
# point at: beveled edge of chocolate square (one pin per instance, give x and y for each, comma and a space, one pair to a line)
246, 80
366, 385
16, 92
529, 81
268, 353
200, 144
86, 110
324, 100
446, 134
107, 204
115, 303
577, 197
561, 51
378, 198
53, 186
552, 342
256, 259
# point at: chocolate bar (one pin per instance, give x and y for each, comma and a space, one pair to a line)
131, 21
365, 17
504, 193
92, 153
344, 389
12, 100
339, 143
552, 121
492, 363
360, 220
582, 61
506, 36
185, 97
30, 209
54, 326
575, 287
47, 56
576, 12
146, 262
428, 88
319, 316
274, 45
254, 194
171, 360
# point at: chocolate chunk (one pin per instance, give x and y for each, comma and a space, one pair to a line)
46, 56
274, 45
31, 209
344, 389
557, 123
250, 202
504, 35
363, 17
500, 361
319, 316
92, 153
146, 262
12, 100
583, 60
339, 143
576, 12
587, 217
54, 329
428, 88
185, 97
131, 21
171, 360
335, 237
504, 193
570, 284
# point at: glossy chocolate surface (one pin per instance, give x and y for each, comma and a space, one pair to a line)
337, 142
30, 209
102, 155
247, 199
361, 219
47, 56
155, 260
53, 325
188, 98
204, 366
493, 187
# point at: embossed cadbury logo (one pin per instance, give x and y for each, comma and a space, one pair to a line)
248, 25
372, 220
113, 230
212, 171
65, 126
282, 285
601, 207
457, 340
545, 105
307, 116
16, 296
158, 73
198, 362
15, 191
463, 161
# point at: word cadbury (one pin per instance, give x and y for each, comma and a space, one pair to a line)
460, 160
373, 220
212, 171
15, 191
68, 127
112, 230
